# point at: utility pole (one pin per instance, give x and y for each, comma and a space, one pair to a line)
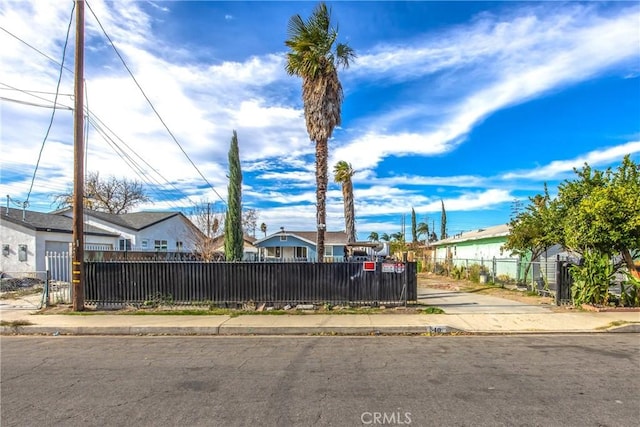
78, 165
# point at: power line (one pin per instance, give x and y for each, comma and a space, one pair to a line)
33, 104
151, 104
55, 100
95, 122
99, 126
36, 49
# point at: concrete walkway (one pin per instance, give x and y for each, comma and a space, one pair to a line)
465, 313
453, 302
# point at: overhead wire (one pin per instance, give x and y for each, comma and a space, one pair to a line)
151, 104
55, 100
130, 161
97, 123
36, 49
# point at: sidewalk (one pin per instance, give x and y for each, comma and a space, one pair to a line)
466, 313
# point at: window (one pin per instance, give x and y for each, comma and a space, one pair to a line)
22, 252
283, 238
160, 245
178, 246
144, 244
301, 252
6, 250
328, 251
124, 244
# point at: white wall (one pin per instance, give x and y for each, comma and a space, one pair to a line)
172, 230
14, 235
476, 251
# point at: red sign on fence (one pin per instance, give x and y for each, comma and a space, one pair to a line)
369, 266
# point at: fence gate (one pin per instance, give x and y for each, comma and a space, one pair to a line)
563, 283
58, 266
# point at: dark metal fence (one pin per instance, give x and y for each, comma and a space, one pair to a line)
563, 282
138, 282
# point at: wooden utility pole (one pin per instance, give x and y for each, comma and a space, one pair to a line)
78, 165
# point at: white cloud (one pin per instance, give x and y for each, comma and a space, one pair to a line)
495, 64
593, 158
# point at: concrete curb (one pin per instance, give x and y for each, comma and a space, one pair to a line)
288, 330
627, 328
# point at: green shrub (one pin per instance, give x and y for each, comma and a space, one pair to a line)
630, 292
475, 270
592, 279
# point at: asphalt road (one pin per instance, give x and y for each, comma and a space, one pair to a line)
533, 380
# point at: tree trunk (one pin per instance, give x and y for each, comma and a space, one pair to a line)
626, 255
349, 213
322, 150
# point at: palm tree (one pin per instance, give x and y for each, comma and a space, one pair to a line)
397, 237
385, 237
263, 228
342, 173
311, 56
423, 230
373, 237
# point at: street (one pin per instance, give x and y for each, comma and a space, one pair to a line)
527, 380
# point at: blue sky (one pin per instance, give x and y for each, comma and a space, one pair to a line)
477, 104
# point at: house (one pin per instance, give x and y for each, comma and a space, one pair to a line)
249, 249
484, 243
27, 235
301, 246
146, 231
481, 246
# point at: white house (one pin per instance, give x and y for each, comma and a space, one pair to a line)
145, 231
26, 236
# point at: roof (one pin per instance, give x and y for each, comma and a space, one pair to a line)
330, 237
220, 239
136, 221
49, 222
480, 234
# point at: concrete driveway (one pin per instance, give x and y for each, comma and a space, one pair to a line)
453, 302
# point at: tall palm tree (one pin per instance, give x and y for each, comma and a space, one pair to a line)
373, 237
263, 228
312, 57
422, 230
385, 237
342, 173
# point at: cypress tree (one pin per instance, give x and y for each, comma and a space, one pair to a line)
443, 222
233, 236
414, 227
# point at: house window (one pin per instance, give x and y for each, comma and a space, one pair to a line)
283, 238
178, 246
160, 245
273, 252
328, 251
301, 252
6, 250
22, 252
144, 244
124, 244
